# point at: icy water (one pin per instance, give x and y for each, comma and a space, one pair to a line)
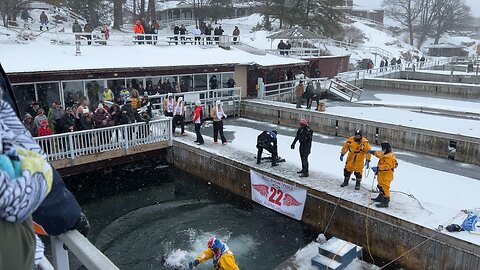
156, 217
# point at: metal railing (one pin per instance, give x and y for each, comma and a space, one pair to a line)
359, 75
345, 90
271, 90
299, 52
206, 97
87, 142
124, 39
85, 252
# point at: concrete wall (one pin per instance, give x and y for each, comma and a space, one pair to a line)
389, 237
431, 88
413, 139
456, 78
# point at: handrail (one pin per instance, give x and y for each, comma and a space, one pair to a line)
278, 88
74, 144
83, 249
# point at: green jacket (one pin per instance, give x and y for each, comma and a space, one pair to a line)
76, 28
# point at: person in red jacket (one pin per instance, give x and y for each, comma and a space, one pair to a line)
139, 31
44, 129
198, 120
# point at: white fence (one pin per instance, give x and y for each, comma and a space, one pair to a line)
231, 97
93, 141
359, 75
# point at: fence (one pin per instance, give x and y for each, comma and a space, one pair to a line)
94, 141
123, 39
285, 91
231, 98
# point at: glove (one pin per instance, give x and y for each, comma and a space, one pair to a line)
193, 264
367, 164
292, 146
341, 157
371, 152
375, 169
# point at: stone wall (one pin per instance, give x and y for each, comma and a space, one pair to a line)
467, 149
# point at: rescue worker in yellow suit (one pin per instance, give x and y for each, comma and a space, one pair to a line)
387, 163
357, 147
222, 256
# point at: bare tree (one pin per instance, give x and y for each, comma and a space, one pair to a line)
9, 9
405, 12
117, 14
451, 14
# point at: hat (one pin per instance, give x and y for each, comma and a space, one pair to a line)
358, 132
27, 115
303, 122
386, 145
170, 94
44, 123
198, 103
85, 110
218, 102
274, 131
210, 242
100, 106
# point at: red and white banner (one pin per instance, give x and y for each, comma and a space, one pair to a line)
279, 196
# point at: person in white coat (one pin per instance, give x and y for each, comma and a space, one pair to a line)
218, 115
178, 115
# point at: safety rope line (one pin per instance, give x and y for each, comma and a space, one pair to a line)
366, 220
334, 209
421, 243
335, 255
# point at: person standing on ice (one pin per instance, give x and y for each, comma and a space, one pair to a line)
387, 163
304, 136
218, 115
222, 256
357, 147
267, 140
198, 121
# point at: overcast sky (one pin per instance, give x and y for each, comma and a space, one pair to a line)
474, 4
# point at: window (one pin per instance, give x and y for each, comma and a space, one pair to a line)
94, 92
116, 85
48, 93
24, 95
186, 83
226, 77
214, 80
72, 93
200, 82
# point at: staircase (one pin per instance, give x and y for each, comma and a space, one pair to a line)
336, 254
344, 90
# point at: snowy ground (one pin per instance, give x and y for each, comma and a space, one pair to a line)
442, 194
423, 102
401, 117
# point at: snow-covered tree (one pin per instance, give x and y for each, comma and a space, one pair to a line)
406, 12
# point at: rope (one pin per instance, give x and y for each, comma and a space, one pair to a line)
366, 220
336, 253
334, 209
421, 243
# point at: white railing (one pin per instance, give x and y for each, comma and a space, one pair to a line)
288, 87
170, 23
93, 141
359, 75
299, 52
206, 97
123, 39
83, 250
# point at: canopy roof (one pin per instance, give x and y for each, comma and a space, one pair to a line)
295, 33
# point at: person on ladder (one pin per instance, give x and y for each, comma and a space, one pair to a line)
387, 163
267, 140
357, 147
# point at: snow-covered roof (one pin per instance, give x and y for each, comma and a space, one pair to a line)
295, 33
444, 46
57, 58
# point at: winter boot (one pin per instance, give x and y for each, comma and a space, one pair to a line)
305, 174
383, 203
379, 198
357, 185
345, 182
300, 172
